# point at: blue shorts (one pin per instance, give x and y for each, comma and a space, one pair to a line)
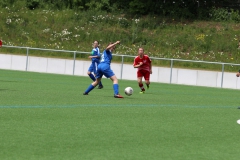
93, 67
104, 69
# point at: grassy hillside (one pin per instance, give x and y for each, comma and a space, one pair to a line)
160, 36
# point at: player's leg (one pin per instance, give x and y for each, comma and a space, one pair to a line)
115, 86
92, 86
147, 83
139, 79
99, 75
90, 70
147, 78
140, 84
91, 76
100, 86
109, 74
95, 65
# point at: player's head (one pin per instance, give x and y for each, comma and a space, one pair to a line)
140, 51
95, 44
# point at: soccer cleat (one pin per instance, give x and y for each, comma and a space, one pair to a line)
118, 96
100, 87
142, 91
85, 93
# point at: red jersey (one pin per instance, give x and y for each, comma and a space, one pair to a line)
146, 62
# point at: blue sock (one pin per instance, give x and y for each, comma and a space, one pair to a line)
90, 87
92, 77
100, 83
115, 88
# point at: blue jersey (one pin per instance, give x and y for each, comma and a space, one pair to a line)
104, 66
95, 52
106, 57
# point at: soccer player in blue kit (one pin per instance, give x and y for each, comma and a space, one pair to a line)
105, 69
95, 57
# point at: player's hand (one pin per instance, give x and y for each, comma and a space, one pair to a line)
141, 63
118, 42
150, 71
238, 74
90, 57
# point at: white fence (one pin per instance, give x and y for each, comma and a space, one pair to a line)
123, 71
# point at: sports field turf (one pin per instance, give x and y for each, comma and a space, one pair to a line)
45, 116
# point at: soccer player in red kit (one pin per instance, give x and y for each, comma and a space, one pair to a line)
144, 65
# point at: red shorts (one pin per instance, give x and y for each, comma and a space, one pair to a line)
143, 73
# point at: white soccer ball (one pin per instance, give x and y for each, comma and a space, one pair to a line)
238, 121
128, 91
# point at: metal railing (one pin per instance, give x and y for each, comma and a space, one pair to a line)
122, 59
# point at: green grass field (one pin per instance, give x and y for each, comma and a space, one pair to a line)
45, 116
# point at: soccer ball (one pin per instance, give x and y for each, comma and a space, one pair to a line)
128, 91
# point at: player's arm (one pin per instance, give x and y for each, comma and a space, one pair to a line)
150, 67
94, 57
97, 55
136, 64
112, 45
238, 73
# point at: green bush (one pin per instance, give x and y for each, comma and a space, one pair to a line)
224, 14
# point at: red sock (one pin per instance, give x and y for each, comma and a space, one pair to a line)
141, 86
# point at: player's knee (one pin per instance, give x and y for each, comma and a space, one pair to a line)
114, 79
